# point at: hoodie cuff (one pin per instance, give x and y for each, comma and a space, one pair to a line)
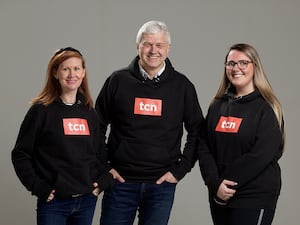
41, 189
105, 181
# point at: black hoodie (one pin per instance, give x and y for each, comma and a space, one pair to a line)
58, 147
245, 142
146, 120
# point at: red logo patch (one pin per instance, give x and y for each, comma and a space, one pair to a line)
147, 106
76, 126
229, 124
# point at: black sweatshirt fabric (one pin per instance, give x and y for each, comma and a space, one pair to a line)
146, 119
50, 155
245, 144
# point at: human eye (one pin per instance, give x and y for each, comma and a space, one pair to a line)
230, 64
146, 45
161, 45
243, 62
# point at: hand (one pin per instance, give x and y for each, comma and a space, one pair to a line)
51, 196
168, 177
224, 192
96, 190
117, 176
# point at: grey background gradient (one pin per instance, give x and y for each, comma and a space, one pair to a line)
105, 30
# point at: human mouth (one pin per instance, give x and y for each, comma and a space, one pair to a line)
153, 56
71, 81
235, 75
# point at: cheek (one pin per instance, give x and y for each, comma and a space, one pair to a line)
141, 52
83, 76
144, 51
252, 72
166, 52
228, 72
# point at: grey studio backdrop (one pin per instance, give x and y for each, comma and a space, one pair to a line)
105, 30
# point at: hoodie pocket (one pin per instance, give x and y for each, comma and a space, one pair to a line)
72, 181
142, 155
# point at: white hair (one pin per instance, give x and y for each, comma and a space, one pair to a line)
153, 27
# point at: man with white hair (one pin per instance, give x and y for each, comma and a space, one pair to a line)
147, 104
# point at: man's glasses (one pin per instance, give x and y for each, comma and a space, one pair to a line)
242, 64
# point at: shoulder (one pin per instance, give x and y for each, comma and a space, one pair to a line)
33, 116
177, 76
216, 104
181, 78
261, 104
36, 109
118, 75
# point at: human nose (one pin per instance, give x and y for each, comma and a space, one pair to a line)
71, 72
153, 48
236, 66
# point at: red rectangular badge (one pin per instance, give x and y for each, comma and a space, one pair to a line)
76, 126
229, 124
147, 106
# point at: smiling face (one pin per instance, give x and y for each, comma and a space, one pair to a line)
70, 74
153, 51
241, 79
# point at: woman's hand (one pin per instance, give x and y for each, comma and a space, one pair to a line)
96, 190
51, 196
224, 192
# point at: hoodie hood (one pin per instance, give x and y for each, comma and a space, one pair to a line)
230, 96
80, 99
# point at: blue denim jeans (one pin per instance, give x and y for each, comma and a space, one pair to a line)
72, 211
153, 203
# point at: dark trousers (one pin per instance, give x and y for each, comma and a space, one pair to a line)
241, 216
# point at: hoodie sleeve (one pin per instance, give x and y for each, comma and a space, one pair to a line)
193, 118
207, 163
105, 179
266, 149
103, 106
23, 154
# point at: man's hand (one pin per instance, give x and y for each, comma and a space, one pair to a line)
168, 177
117, 176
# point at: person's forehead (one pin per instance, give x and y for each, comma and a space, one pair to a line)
158, 35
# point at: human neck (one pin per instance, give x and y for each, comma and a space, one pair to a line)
151, 71
68, 99
240, 93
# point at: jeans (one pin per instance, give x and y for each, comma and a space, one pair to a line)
152, 201
72, 211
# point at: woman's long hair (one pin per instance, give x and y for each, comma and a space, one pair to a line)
52, 88
261, 83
